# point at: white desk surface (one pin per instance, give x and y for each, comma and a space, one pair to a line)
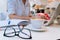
52, 33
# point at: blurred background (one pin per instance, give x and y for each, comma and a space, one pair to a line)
39, 4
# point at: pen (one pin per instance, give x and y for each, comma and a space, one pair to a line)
9, 22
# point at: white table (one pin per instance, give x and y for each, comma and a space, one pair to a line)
52, 33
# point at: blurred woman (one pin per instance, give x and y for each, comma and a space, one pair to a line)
19, 9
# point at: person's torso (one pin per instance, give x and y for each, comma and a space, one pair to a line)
21, 9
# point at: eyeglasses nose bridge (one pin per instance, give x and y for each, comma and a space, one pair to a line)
17, 34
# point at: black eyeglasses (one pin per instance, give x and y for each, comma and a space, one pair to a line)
23, 33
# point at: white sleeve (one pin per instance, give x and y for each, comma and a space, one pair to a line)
11, 6
27, 8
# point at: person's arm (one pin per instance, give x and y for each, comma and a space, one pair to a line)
14, 16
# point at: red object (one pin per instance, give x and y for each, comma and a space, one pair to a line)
45, 15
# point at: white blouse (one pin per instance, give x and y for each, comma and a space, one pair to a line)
17, 7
